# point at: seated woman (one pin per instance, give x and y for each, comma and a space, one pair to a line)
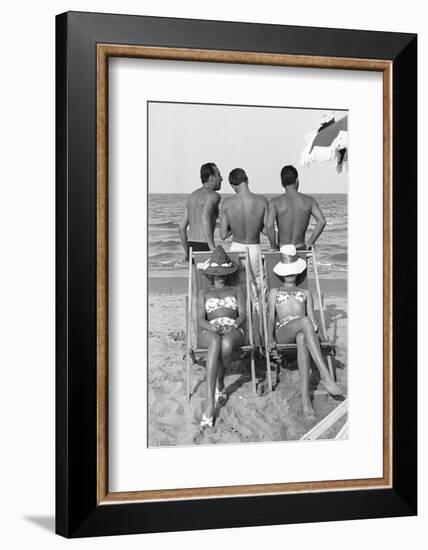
291, 319
221, 312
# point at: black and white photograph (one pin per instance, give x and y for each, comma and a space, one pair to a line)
247, 245
213, 266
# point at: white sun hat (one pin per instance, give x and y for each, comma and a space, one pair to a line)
290, 263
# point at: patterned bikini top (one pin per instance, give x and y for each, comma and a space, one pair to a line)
284, 295
229, 302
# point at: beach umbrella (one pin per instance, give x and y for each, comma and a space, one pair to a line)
328, 142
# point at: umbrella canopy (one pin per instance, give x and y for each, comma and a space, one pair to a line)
328, 142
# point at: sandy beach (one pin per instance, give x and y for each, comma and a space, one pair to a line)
274, 416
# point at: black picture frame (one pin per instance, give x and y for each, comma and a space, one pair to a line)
78, 513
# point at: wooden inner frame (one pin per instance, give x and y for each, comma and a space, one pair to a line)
104, 51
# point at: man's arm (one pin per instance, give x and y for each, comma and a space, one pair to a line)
225, 230
270, 225
265, 216
320, 219
182, 231
211, 205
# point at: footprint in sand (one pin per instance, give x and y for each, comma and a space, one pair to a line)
177, 335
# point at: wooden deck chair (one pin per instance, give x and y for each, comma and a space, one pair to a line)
273, 281
327, 423
197, 280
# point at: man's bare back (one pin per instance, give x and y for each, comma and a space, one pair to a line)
293, 213
243, 216
202, 211
200, 215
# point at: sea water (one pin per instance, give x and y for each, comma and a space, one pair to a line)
165, 252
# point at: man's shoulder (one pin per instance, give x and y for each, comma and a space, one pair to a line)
228, 201
208, 195
260, 199
308, 198
214, 196
196, 194
278, 200
203, 191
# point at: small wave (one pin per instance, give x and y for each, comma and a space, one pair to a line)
164, 244
338, 230
324, 265
337, 221
163, 256
167, 265
341, 257
324, 268
171, 225
339, 267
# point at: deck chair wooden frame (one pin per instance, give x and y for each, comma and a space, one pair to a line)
327, 347
192, 350
317, 431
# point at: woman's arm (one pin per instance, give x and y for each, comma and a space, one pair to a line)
241, 307
202, 318
271, 316
310, 309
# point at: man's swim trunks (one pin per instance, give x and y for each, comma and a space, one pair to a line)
196, 246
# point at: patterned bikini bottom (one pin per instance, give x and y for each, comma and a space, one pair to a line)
222, 322
285, 320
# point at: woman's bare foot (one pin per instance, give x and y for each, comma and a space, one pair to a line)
332, 387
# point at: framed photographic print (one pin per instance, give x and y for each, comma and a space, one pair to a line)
236, 241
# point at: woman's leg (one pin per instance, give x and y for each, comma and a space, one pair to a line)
304, 364
220, 375
213, 343
230, 342
287, 334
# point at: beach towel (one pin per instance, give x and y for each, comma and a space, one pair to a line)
253, 268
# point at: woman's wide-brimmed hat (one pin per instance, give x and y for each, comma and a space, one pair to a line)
290, 263
218, 263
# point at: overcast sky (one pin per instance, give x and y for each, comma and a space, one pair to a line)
259, 140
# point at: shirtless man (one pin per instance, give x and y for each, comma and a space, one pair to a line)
201, 212
292, 212
244, 216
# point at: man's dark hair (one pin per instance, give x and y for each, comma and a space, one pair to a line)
207, 170
289, 175
237, 176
